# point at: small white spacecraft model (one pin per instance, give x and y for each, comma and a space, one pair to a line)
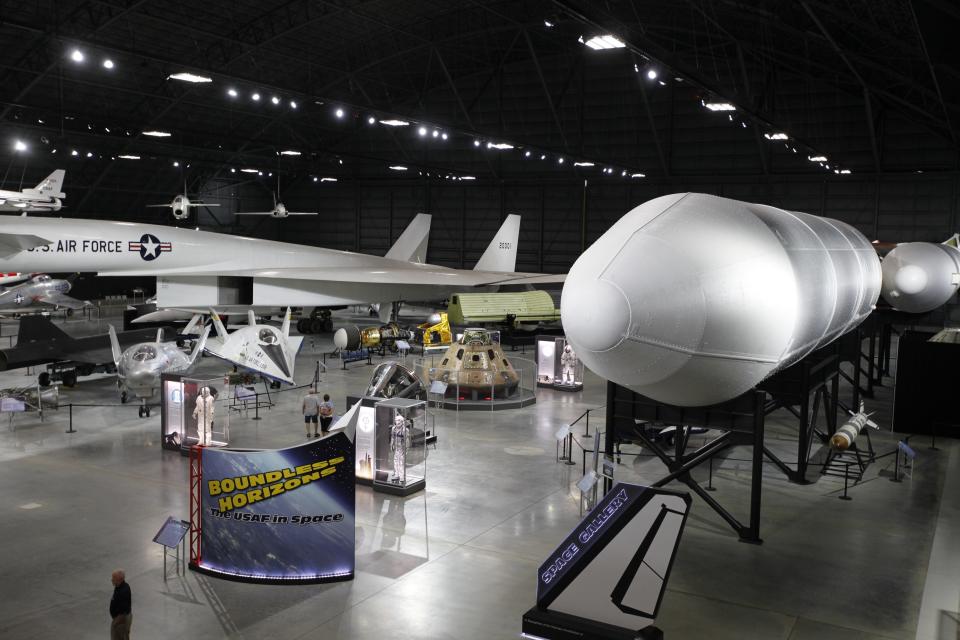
262, 348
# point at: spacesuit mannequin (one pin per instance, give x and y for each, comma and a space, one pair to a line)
568, 362
398, 437
203, 412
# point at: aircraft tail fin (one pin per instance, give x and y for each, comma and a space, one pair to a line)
501, 254
198, 348
953, 241
285, 327
411, 246
115, 345
38, 329
251, 318
52, 185
218, 324
195, 321
160, 334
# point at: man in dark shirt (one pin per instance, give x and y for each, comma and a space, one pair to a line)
120, 607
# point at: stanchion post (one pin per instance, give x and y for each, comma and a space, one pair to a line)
70, 429
587, 433
570, 442
256, 405
896, 466
846, 478
710, 486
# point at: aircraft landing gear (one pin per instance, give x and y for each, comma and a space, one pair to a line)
123, 397
320, 321
143, 411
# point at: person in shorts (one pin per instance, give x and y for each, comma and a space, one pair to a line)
311, 409
326, 413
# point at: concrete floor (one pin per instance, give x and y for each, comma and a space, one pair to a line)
459, 560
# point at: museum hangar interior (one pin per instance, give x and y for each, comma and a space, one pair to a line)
480, 319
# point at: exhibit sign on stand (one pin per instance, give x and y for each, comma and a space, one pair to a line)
275, 516
607, 579
558, 366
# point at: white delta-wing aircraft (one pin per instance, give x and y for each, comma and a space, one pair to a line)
203, 269
46, 196
262, 348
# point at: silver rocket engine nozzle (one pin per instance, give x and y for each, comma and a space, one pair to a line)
693, 299
920, 276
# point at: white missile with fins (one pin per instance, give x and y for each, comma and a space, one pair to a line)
262, 348
846, 434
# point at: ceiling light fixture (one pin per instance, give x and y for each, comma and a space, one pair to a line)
652, 74
128, 157
185, 76
275, 100
327, 179
157, 134
779, 135
638, 175
248, 170
501, 145
583, 164
255, 97
108, 63
232, 92
719, 106
371, 120
817, 158
422, 131
290, 152
293, 104
603, 42
339, 112
19, 145
395, 123
398, 167
76, 55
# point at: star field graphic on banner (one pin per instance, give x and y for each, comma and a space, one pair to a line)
279, 515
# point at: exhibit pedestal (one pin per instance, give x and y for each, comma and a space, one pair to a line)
399, 489
552, 625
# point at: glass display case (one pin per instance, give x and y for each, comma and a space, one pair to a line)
400, 446
558, 366
203, 409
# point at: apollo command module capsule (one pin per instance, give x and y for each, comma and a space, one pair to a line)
475, 368
692, 299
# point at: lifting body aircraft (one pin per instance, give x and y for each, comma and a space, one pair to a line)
46, 196
262, 348
139, 367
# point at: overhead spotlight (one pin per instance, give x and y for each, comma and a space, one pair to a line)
107, 63
543, 156
719, 106
489, 145
176, 163
422, 131
603, 42
443, 136
662, 83
259, 173
476, 143
255, 97
74, 153
189, 77
777, 135
340, 160
89, 154
275, 100
315, 178
233, 169
53, 150
232, 92
623, 173
19, 145
371, 120
559, 160
652, 74
435, 133
76, 55
526, 154
399, 167
293, 104
339, 112
548, 24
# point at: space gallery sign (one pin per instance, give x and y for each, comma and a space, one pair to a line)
284, 515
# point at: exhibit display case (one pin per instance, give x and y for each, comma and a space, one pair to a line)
194, 412
558, 366
400, 446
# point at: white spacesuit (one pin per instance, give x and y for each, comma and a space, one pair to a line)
568, 363
203, 412
398, 437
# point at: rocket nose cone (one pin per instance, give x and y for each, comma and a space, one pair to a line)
595, 313
340, 338
910, 279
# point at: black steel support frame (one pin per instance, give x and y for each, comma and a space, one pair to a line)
742, 421
870, 365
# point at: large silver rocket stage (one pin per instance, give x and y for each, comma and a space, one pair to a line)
692, 299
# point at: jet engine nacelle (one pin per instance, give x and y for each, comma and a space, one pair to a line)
280, 211
179, 212
693, 299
